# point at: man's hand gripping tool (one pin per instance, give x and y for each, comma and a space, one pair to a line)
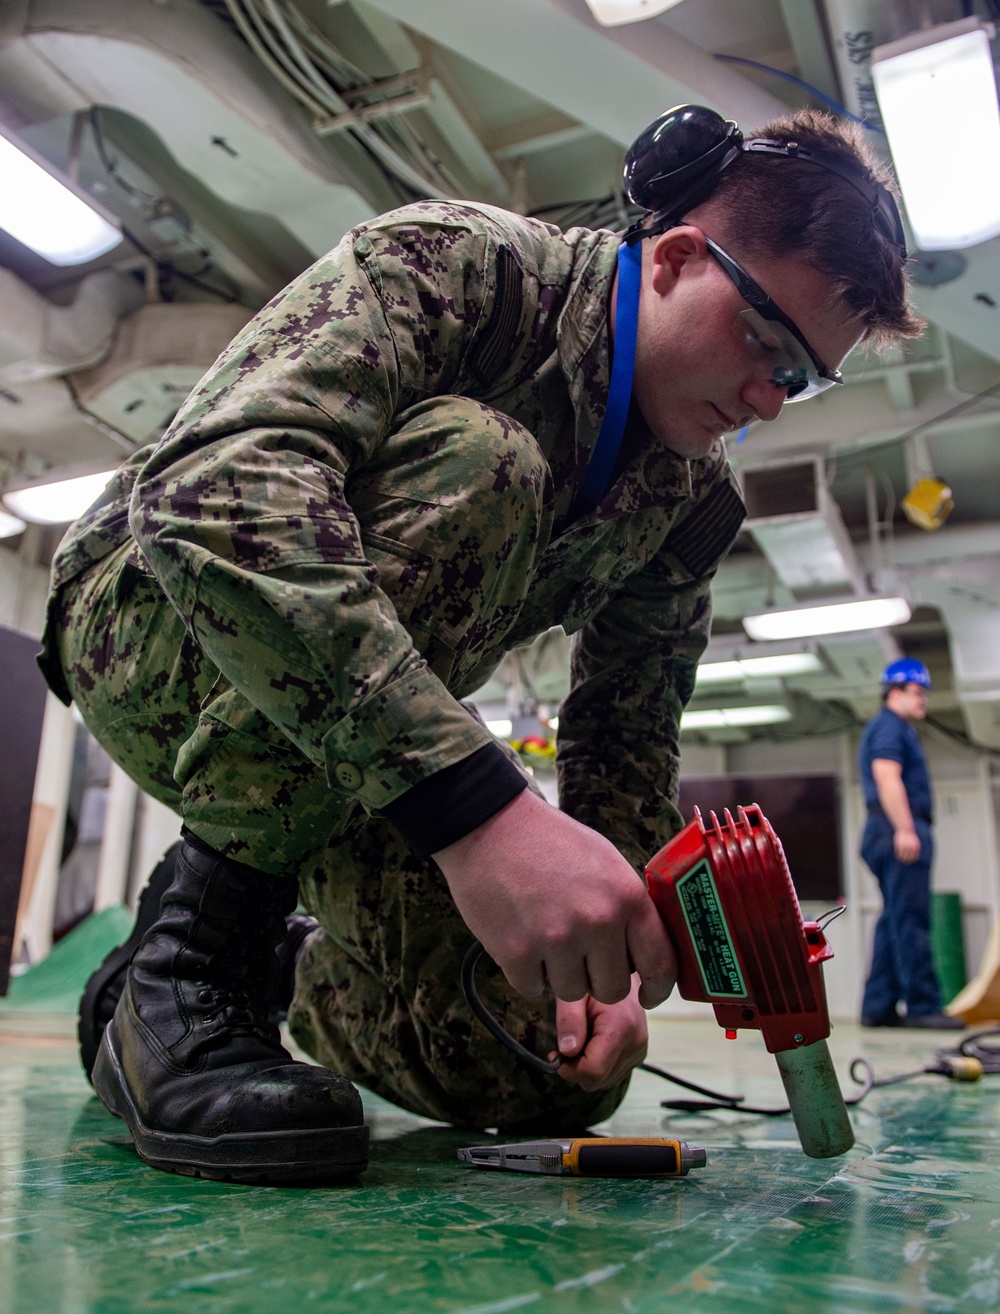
726, 897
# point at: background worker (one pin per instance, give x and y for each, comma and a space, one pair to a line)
898, 846
384, 484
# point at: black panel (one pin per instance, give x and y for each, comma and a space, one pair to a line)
22, 704
708, 532
804, 812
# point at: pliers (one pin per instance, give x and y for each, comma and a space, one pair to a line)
592, 1156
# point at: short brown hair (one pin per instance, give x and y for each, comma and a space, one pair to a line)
774, 206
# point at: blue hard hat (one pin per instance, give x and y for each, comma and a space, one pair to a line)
906, 671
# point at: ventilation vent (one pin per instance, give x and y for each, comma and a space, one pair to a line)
785, 490
797, 525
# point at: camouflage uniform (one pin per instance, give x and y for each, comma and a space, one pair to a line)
270, 619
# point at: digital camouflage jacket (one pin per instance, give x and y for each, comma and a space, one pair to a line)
244, 512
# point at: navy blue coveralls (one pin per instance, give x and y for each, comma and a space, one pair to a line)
902, 967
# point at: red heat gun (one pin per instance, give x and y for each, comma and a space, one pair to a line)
726, 897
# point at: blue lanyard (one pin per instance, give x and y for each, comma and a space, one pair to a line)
602, 460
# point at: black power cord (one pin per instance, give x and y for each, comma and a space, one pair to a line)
959, 738
974, 1047
534, 1061
972, 1059
963, 1064
735, 1103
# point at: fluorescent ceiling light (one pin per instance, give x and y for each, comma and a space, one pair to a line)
46, 214
609, 13
56, 503
937, 95
10, 525
834, 618
727, 718
755, 668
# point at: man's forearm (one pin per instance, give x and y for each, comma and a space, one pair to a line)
895, 804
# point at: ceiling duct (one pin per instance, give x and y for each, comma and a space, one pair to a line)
159, 354
967, 594
795, 522
39, 340
559, 52
177, 68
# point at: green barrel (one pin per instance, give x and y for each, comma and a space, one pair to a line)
947, 943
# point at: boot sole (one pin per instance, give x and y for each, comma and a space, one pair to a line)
278, 1158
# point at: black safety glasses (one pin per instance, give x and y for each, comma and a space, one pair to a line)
774, 338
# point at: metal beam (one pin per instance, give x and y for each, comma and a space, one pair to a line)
859, 416
543, 141
808, 39
614, 79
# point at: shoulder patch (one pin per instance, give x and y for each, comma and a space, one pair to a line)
498, 335
707, 534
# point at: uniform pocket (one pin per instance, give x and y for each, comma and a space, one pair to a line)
136, 559
402, 570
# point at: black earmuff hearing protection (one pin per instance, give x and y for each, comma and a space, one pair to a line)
677, 162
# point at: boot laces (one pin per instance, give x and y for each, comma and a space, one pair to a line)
237, 1003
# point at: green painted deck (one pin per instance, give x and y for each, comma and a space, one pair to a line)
909, 1220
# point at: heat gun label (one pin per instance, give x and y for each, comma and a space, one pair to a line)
699, 898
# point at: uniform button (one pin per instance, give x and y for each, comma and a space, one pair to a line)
347, 775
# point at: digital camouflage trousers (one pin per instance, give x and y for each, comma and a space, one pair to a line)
378, 995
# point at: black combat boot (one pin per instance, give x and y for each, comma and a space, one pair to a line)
190, 1059
105, 985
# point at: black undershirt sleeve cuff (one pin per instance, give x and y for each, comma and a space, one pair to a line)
455, 800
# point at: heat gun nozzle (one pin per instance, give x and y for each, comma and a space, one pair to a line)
815, 1100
